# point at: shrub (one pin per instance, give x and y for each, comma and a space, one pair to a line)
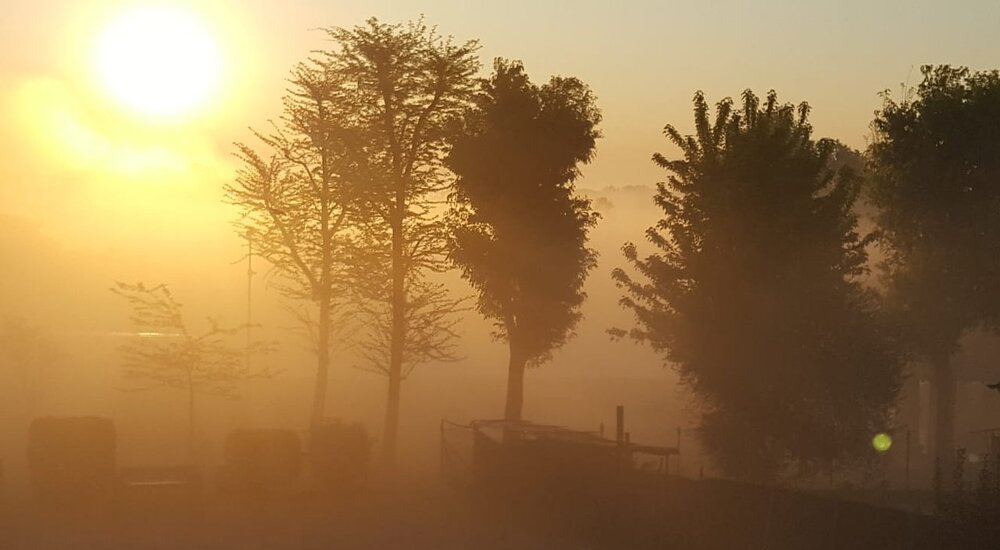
72, 459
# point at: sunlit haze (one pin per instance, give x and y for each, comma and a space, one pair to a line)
343, 212
159, 61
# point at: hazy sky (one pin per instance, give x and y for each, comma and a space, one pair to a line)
95, 176
91, 192
644, 59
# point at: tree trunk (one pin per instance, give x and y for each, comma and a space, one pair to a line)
943, 405
322, 364
323, 293
390, 429
515, 385
398, 337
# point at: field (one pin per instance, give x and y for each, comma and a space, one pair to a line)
418, 516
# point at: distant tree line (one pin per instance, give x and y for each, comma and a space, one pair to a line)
394, 161
756, 292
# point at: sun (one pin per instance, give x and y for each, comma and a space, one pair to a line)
158, 61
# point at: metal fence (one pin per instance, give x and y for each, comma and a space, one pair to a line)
456, 453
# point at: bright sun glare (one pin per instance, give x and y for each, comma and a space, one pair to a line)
158, 61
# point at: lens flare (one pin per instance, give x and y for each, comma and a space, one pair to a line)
882, 442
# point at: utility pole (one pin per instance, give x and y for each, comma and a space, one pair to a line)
250, 274
248, 387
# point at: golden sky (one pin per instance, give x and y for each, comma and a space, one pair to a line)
94, 190
89, 169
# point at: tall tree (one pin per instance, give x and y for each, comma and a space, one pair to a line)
168, 354
295, 203
754, 293
935, 164
432, 314
403, 86
521, 240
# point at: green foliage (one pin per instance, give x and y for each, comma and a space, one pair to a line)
754, 293
520, 236
935, 164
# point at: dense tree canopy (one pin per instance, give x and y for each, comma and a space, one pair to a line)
753, 293
935, 165
522, 237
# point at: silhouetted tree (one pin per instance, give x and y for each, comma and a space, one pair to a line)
521, 236
754, 294
296, 204
935, 164
167, 354
431, 316
402, 86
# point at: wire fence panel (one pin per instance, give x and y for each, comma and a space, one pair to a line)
456, 454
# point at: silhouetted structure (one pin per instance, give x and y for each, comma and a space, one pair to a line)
502, 457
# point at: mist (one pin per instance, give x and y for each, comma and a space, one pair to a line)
458, 278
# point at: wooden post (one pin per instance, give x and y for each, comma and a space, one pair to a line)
443, 451
620, 435
907, 460
678, 450
620, 425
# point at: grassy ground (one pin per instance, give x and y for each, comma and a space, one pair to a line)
415, 516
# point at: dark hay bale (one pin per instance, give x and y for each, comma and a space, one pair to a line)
339, 454
259, 460
72, 460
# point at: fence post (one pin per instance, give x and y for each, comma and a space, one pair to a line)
442, 450
620, 424
907, 460
678, 451
620, 436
